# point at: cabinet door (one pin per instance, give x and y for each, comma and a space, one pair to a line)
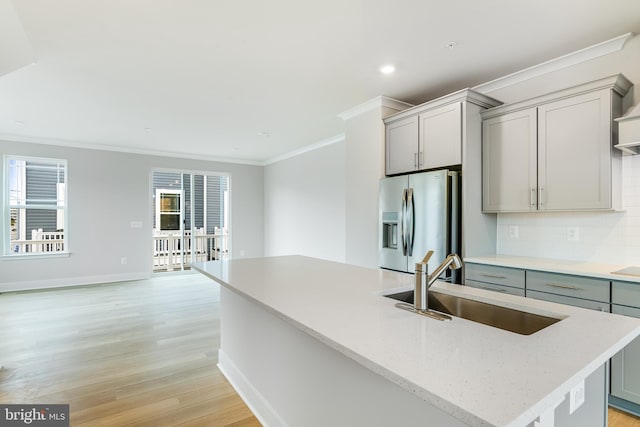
509, 162
440, 137
513, 277
576, 302
625, 366
496, 288
402, 145
574, 153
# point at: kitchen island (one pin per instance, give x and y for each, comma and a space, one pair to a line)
308, 342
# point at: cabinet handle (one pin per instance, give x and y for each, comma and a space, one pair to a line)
421, 160
540, 192
532, 197
415, 160
561, 286
492, 276
492, 289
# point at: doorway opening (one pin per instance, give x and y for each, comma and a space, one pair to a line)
190, 218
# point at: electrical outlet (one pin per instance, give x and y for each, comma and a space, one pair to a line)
573, 234
576, 397
513, 231
123, 260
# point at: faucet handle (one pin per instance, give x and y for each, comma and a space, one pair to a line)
427, 257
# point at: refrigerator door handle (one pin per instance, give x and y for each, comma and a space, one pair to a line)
403, 222
412, 221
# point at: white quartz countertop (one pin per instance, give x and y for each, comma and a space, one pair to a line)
482, 375
579, 268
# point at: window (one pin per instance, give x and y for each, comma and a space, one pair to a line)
35, 206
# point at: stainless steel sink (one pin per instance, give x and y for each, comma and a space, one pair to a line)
508, 319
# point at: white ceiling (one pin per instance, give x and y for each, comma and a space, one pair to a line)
207, 76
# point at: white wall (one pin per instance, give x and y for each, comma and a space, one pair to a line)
612, 237
106, 191
364, 136
305, 204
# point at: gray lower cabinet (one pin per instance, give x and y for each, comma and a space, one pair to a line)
495, 278
578, 291
625, 366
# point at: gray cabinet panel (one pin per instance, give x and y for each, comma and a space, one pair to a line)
496, 288
402, 146
577, 128
509, 159
625, 293
495, 274
572, 286
576, 302
441, 137
625, 366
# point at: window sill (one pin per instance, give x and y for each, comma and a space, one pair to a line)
35, 256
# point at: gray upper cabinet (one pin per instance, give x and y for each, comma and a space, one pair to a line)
509, 167
554, 152
440, 136
430, 135
574, 153
402, 146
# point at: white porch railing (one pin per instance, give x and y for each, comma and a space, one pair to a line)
168, 254
41, 241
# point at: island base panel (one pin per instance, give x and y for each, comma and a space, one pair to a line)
289, 378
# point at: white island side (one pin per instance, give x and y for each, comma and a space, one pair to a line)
308, 342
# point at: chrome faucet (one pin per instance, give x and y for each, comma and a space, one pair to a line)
425, 280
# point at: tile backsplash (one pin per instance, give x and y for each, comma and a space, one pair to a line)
606, 237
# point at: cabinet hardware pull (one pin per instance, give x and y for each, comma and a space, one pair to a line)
415, 160
559, 285
492, 289
492, 276
421, 162
532, 197
540, 192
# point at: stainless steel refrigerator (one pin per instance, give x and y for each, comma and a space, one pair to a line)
418, 213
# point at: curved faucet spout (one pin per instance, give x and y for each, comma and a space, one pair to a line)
425, 280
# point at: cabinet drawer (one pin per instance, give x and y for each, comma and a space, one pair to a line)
513, 277
625, 293
572, 286
576, 302
496, 288
625, 311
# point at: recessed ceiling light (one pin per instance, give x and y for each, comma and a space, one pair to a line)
452, 45
264, 134
148, 129
19, 122
387, 69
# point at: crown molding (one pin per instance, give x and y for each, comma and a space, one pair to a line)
120, 149
311, 147
377, 102
588, 53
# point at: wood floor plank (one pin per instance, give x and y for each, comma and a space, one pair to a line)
126, 354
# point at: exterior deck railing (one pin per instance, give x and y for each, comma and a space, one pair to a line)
167, 251
168, 254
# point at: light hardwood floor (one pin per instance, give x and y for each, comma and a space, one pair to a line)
128, 354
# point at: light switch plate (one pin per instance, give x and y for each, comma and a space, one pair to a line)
513, 231
573, 234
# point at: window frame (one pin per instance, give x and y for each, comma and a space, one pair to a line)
62, 203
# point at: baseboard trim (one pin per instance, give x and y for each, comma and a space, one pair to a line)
71, 281
263, 411
624, 405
